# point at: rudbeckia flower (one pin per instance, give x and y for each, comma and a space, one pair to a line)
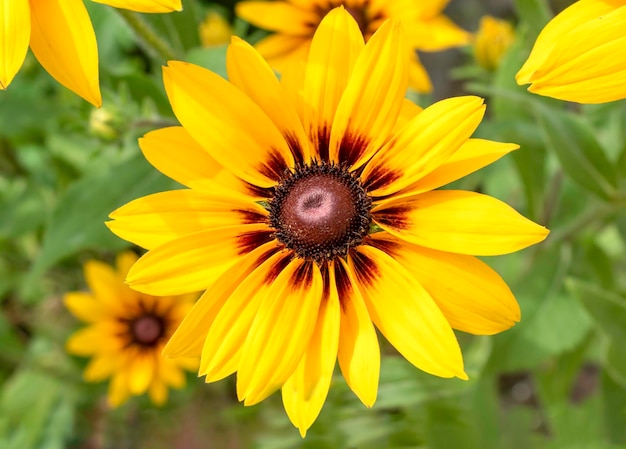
126, 333
60, 34
295, 21
310, 217
581, 54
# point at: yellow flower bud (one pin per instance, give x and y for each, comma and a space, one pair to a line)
492, 40
215, 30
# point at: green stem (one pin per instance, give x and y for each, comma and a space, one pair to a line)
147, 37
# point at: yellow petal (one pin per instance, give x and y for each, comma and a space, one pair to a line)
188, 339
437, 33
305, 391
579, 56
156, 219
101, 367
97, 338
281, 331
405, 313
194, 262
141, 372
107, 287
227, 124
478, 301
359, 353
145, 5
222, 348
14, 38
169, 373
280, 50
64, 42
124, 261
278, 16
426, 142
118, 389
458, 222
333, 53
473, 155
174, 153
367, 112
250, 73
418, 77
158, 393
85, 307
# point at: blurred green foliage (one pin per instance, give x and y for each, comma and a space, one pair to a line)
555, 380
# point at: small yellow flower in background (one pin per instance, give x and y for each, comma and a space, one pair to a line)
492, 40
581, 54
311, 216
294, 22
126, 333
215, 30
60, 34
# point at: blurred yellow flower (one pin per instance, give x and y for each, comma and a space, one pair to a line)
294, 22
310, 217
215, 30
581, 54
60, 34
126, 333
492, 40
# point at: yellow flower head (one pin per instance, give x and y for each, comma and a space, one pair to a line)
61, 36
493, 39
310, 217
126, 333
295, 21
215, 30
581, 54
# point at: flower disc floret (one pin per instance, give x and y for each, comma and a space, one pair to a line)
320, 211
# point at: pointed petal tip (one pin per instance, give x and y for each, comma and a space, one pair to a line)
463, 376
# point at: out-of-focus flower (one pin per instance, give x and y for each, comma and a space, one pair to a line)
215, 30
311, 216
126, 333
581, 54
60, 34
492, 40
293, 23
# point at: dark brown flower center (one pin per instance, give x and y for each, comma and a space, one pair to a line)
361, 17
146, 330
320, 211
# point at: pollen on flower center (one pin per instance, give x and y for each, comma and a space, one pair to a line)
320, 211
146, 330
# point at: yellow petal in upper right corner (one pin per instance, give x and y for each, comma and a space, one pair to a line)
580, 55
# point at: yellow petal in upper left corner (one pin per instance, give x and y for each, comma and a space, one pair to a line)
14, 38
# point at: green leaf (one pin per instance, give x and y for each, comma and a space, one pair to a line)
582, 157
534, 13
607, 309
614, 405
78, 219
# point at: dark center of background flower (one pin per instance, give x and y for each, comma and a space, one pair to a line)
146, 330
320, 211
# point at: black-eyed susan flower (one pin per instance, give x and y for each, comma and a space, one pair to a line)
126, 333
581, 54
293, 23
60, 34
492, 40
311, 216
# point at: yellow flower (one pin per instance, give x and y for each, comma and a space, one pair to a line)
581, 54
310, 217
215, 30
126, 333
295, 21
61, 36
493, 39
